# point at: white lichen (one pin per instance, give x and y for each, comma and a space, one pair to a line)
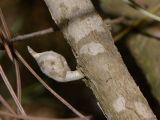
79, 28
92, 48
119, 104
55, 66
142, 110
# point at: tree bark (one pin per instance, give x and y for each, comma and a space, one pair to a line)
97, 57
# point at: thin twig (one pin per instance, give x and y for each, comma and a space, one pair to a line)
35, 118
49, 30
34, 34
136, 6
49, 88
5, 103
135, 24
8, 107
34, 73
18, 81
5, 41
4, 24
8, 85
5, 45
114, 21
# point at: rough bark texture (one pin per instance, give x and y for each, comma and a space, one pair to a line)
117, 94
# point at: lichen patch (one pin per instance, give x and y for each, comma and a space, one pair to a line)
119, 104
92, 48
80, 28
142, 110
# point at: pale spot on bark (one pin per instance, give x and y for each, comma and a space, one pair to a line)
119, 104
92, 48
80, 28
142, 110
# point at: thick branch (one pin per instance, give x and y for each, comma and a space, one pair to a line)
117, 94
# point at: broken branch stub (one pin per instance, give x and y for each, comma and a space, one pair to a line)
100, 61
55, 66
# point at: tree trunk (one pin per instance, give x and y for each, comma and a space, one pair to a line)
98, 58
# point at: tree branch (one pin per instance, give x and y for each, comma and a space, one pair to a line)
34, 34
118, 95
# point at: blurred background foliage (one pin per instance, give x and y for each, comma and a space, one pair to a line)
139, 48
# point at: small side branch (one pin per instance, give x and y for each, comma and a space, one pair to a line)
49, 88
34, 34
